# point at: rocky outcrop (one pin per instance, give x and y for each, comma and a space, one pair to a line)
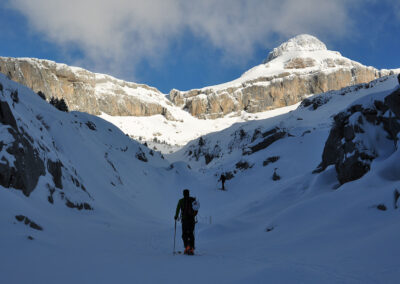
55, 170
393, 102
349, 146
300, 63
203, 149
28, 222
299, 67
267, 138
267, 93
20, 164
86, 91
25, 156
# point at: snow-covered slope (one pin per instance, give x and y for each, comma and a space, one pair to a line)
301, 43
299, 67
314, 114
288, 227
68, 167
317, 226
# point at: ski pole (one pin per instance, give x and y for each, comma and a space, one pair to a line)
174, 237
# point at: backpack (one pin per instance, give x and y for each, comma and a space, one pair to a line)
196, 205
187, 210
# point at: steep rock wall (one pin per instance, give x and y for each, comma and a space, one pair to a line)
271, 92
83, 90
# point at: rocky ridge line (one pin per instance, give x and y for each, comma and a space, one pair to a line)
297, 68
86, 91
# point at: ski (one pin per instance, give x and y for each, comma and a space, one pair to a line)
181, 253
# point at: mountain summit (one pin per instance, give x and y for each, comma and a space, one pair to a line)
303, 42
297, 68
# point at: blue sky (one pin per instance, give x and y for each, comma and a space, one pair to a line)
187, 44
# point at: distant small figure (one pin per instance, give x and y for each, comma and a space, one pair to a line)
396, 197
275, 176
222, 179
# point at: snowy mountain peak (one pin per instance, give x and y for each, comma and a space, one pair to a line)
297, 68
303, 42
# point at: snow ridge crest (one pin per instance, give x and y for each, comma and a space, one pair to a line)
303, 42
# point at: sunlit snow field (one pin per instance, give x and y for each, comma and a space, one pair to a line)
303, 228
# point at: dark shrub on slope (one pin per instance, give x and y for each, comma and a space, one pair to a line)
59, 104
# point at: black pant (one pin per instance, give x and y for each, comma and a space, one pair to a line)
187, 233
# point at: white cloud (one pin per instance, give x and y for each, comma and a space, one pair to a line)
111, 33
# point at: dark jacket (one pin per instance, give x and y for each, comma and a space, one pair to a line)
181, 207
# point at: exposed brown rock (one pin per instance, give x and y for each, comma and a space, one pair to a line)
80, 88
272, 92
298, 63
77, 87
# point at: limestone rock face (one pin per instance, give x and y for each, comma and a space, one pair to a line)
83, 90
300, 63
269, 92
299, 67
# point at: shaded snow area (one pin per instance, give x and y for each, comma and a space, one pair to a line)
81, 202
169, 136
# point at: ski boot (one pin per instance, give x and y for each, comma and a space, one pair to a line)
187, 249
191, 251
